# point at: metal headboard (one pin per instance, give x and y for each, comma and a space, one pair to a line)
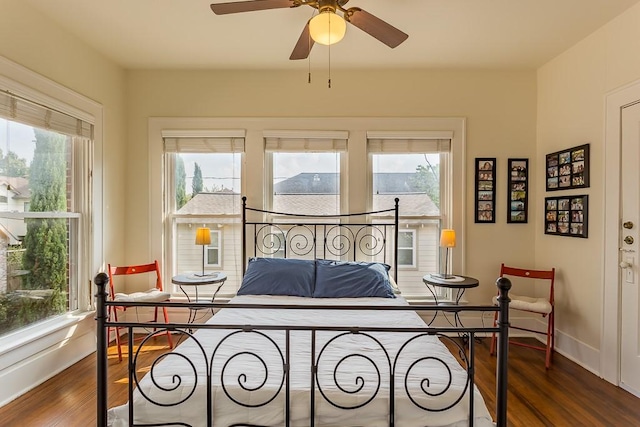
321, 236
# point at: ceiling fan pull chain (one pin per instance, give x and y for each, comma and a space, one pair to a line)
309, 56
329, 82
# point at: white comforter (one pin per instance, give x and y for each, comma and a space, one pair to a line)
260, 385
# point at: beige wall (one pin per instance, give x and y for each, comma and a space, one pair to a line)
500, 108
571, 91
33, 41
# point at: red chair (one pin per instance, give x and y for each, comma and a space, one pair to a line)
152, 295
542, 306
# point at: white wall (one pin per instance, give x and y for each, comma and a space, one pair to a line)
32, 41
571, 93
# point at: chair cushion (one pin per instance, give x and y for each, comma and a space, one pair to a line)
152, 295
536, 305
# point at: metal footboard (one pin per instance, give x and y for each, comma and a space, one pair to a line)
385, 369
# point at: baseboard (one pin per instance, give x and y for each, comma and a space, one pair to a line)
578, 352
573, 349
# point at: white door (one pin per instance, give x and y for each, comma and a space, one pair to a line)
630, 249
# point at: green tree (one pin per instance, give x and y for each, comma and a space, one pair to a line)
196, 184
427, 179
181, 183
12, 165
46, 255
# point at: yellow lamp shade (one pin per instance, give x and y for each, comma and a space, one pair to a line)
448, 238
327, 28
203, 236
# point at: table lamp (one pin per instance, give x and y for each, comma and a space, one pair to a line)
203, 237
447, 241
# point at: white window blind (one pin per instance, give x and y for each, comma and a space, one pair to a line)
214, 141
407, 145
19, 109
301, 141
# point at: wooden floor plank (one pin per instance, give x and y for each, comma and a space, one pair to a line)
565, 395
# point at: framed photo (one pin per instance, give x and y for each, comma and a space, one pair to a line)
485, 203
568, 168
566, 216
518, 191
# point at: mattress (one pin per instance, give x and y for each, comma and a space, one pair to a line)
246, 371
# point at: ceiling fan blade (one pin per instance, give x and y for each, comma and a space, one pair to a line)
249, 6
303, 46
376, 27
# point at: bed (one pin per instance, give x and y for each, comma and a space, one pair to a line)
318, 335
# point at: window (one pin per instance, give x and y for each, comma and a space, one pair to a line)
203, 188
45, 159
213, 250
407, 248
416, 170
305, 175
305, 171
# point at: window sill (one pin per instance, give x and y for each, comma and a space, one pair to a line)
29, 334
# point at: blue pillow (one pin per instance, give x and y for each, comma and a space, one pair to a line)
278, 276
341, 279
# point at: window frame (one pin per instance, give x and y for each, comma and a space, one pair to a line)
169, 264
88, 186
380, 143
304, 141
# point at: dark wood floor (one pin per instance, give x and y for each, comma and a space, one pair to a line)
565, 395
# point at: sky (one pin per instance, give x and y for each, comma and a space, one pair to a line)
18, 138
220, 169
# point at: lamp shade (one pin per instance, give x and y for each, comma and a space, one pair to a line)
327, 28
448, 238
203, 236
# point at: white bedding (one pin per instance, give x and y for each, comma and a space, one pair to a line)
176, 375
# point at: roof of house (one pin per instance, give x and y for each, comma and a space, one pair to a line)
212, 203
18, 185
311, 194
327, 183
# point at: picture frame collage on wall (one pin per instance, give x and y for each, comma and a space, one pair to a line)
518, 191
485, 196
568, 169
567, 216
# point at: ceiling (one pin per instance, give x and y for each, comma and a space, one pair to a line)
185, 34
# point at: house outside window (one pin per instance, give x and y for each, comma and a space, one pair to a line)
45, 160
203, 188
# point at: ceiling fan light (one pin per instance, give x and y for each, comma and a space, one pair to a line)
327, 28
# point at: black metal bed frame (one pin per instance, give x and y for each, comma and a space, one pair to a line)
358, 235
336, 237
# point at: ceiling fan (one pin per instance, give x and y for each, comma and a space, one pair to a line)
327, 27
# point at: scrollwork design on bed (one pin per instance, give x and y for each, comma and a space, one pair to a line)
272, 360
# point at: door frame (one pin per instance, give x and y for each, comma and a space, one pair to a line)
615, 101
